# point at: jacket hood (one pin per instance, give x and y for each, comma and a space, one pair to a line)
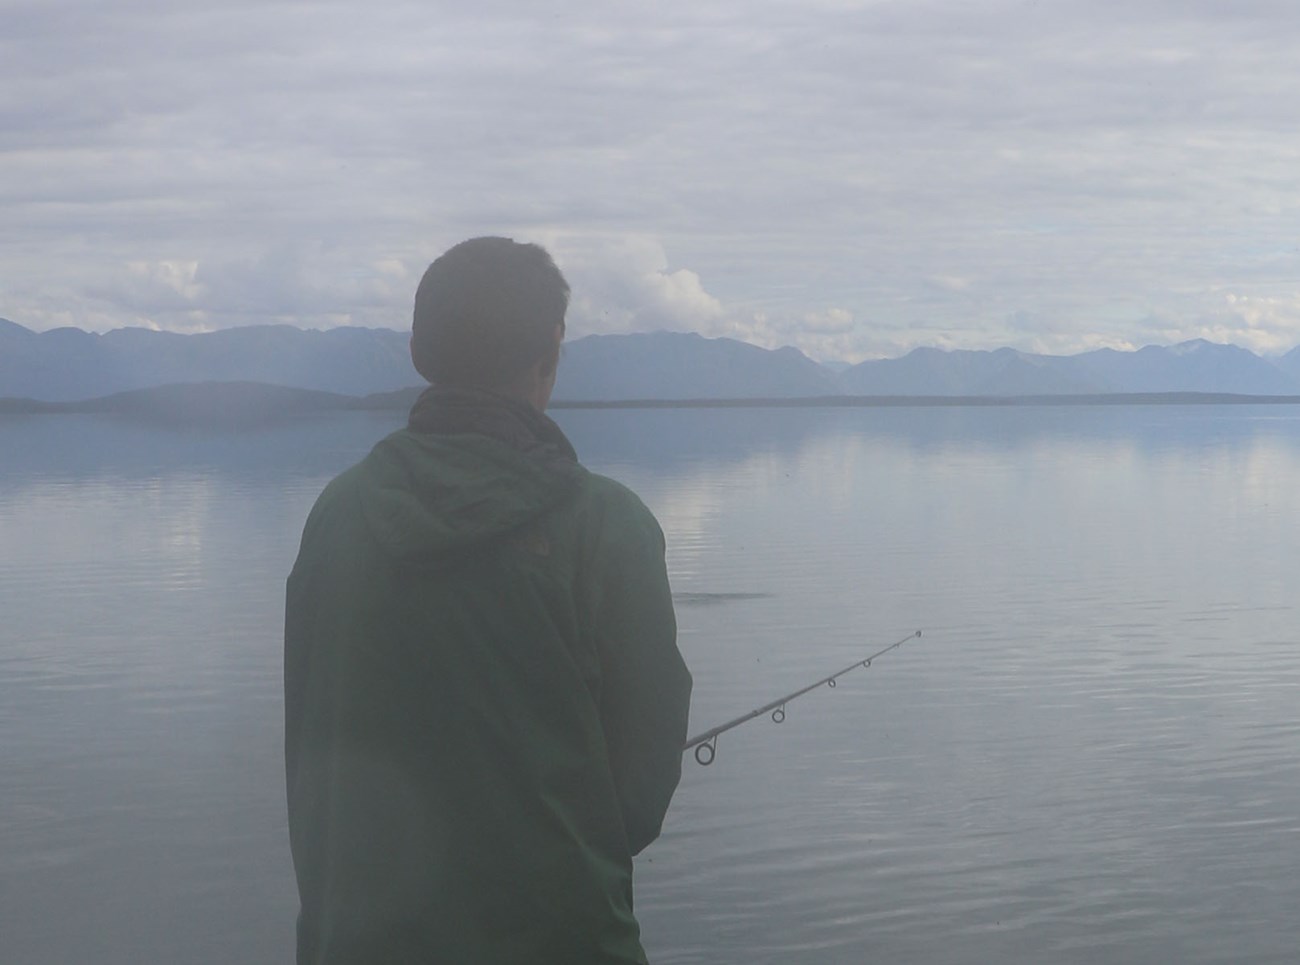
428, 495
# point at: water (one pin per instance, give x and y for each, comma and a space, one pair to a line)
1092, 754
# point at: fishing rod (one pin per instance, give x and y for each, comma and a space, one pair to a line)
706, 744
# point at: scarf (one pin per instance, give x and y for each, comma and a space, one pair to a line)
457, 410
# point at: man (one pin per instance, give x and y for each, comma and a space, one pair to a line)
485, 704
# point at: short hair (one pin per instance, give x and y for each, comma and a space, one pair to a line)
486, 311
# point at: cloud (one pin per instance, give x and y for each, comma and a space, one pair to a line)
1265, 324
626, 285
312, 285
1102, 172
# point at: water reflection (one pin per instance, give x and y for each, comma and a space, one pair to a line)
1090, 755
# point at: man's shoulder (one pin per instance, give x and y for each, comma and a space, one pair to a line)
341, 489
340, 495
598, 487
612, 507
607, 493
345, 484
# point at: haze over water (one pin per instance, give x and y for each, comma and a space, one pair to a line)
1092, 754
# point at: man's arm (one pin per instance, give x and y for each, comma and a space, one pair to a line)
645, 686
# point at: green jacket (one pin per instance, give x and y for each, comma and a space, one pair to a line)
485, 708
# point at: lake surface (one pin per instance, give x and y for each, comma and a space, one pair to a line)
1091, 755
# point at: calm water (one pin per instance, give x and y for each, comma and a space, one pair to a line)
1092, 755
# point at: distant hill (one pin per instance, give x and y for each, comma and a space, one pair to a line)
218, 404
1289, 363
932, 371
12, 330
677, 365
1195, 366
248, 405
68, 364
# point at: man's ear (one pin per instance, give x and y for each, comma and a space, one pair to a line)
549, 363
415, 361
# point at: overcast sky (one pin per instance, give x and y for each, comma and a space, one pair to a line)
852, 178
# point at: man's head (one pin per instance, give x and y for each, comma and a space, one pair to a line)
489, 313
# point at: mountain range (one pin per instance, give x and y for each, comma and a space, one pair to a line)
68, 364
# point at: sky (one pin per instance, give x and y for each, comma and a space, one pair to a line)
855, 179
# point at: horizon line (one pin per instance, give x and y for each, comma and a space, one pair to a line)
667, 331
